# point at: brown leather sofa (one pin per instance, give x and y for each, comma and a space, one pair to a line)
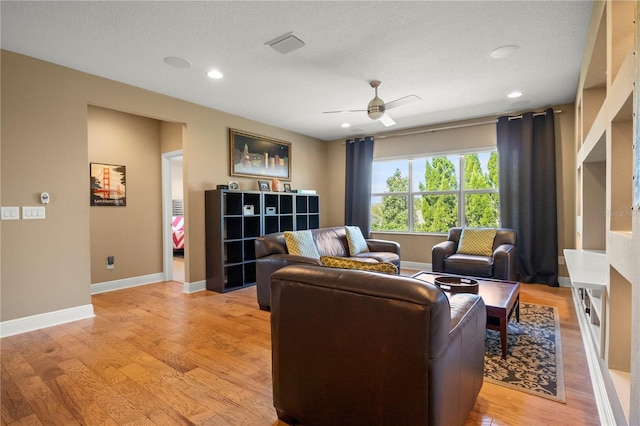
272, 254
502, 265
353, 347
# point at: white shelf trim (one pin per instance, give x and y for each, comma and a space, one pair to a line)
587, 268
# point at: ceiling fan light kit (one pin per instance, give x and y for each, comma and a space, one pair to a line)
375, 109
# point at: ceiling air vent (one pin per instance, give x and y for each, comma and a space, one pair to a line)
285, 43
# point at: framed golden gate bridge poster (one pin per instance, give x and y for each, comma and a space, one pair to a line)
108, 185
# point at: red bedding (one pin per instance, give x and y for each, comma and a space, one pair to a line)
177, 224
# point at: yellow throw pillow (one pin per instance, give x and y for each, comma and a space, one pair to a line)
356, 241
343, 263
300, 243
477, 241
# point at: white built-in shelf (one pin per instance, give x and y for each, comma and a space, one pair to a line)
586, 268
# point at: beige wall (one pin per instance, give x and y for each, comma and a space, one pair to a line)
416, 142
46, 264
133, 233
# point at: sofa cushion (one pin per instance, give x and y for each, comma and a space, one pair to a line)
471, 265
477, 241
356, 241
380, 256
363, 265
300, 243
331, 241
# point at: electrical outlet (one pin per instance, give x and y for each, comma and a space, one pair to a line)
110, 262
560, 260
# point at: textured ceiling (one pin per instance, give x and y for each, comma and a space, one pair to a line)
436, 50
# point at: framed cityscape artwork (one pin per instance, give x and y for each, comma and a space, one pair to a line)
258, 156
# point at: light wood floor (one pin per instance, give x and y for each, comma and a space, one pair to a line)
154, 355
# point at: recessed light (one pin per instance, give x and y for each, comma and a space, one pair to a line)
504, 51
214, 74
345, 125
177, 62
514, 94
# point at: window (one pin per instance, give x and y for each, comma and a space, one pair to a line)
440, 192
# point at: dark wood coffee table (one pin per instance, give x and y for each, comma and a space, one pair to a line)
502, 299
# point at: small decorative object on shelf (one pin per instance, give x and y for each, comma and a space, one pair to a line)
287, 187
222, 186
233, 185
275, 185
263, 185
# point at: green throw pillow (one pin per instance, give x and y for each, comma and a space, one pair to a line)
342, 263
300, 243
356, 241
477, 241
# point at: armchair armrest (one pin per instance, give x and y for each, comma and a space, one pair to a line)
267, 265
505, 262
440, 252
383, 245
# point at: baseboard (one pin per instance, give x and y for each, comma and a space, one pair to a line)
605, 411
126, 283
36, 322
194, 287
564, 281
418, 266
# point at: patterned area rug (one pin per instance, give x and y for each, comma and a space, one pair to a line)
534, 354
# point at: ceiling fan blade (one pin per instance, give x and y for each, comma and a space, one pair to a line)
402, 101
345, 110
387, 121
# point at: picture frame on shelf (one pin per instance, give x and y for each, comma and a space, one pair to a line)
253, 155
233, 185
263, 185
287, 187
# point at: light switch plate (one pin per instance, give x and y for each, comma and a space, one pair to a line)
33, 212
10, 213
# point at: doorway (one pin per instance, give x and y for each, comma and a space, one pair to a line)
173, 217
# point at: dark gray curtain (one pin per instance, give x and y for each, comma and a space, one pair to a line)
359, 165
527, 188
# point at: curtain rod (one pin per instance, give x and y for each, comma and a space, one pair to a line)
459, 126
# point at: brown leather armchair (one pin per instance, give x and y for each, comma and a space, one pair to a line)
353, 347
502, 265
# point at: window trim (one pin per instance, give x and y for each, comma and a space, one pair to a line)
410, 195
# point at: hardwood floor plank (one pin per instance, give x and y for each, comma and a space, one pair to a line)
106, 398
176, 399
154, 355
155, 410
14, 405
81, 404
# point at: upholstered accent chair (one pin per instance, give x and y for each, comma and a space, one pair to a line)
499, 260
353, 347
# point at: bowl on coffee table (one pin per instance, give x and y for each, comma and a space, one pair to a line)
457, 284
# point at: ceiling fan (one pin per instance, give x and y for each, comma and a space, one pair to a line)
377, 107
